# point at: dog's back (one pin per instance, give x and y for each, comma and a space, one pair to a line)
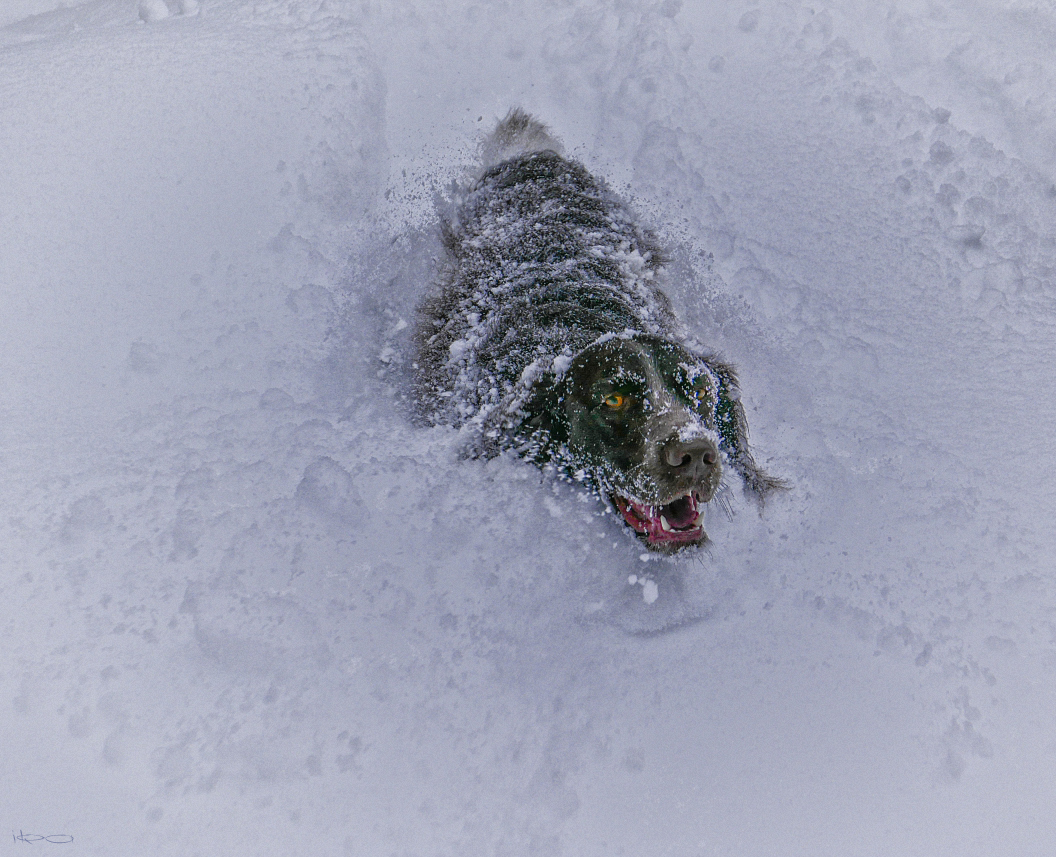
543, 260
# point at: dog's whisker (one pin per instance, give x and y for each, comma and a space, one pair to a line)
724, 500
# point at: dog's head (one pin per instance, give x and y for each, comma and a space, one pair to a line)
643, 420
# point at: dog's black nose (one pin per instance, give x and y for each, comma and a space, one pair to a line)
684, 455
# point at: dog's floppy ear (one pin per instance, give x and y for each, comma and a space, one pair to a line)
543, 425
732, 427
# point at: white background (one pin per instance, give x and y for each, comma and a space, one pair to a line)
250, 609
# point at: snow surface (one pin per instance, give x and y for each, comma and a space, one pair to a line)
252, 610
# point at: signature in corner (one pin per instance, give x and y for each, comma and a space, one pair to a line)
33, 838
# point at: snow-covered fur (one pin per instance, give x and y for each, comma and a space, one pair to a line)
543, 260
548, 277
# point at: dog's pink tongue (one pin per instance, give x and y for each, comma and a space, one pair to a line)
680, 513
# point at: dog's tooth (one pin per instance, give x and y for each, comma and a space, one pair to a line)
665, 525
699, 520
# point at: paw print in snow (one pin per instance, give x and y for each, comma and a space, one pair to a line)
157, 10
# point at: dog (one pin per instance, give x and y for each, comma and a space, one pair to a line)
548, 334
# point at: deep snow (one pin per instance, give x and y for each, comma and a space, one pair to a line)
252, 610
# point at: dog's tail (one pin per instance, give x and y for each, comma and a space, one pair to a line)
518, 134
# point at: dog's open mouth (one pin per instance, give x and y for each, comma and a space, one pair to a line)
679, 522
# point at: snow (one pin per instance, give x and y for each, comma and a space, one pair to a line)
650, 588
252, 609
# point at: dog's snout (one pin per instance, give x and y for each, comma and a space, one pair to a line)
690, 454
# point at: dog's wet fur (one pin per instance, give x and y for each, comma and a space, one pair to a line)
548, 334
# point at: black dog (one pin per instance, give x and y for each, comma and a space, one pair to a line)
549, 335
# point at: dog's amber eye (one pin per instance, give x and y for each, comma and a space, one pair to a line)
614, 401
701, 393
